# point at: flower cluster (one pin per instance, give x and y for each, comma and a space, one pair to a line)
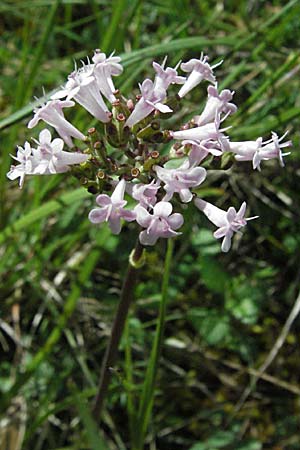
126, 150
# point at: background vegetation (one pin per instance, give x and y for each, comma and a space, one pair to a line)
61, 277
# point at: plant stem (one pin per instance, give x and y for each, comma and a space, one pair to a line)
117, 330
146, 401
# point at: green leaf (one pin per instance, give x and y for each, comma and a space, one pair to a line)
43, 211
213, 275
212, 325
243, 299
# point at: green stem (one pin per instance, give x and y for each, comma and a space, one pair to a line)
131, 407
117, 329
146, 402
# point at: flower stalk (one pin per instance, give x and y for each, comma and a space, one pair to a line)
117, 328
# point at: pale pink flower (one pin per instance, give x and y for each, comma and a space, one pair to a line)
257, 151
165, 77
26, 166
112, 209
47, 158
200, 150
52, 114
199, 70
104, 69
228, 222
207, 132
215, 105
50, 157
145, 194
82, 86
180, 180
161, 223
272, 148
151, 100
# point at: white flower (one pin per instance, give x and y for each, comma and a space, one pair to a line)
257, 151
104, 68
50, 157
159, 224
47, 158
180, 180
151, 100
199, 70
52, 114
165, 77
207, 132
112, 209
82, 86
228, 222
26, 166
215, 105
145, 194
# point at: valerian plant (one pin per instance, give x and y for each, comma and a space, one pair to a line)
124, 154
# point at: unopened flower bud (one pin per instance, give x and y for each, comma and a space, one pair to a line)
130, 105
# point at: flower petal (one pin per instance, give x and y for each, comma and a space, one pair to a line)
45, 136
147, 239
175, 221
212, 212
103, 200
115, 223
162, 209
97, 215
143, 218
118, 194
226, 244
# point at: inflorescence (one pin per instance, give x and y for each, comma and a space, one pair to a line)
126, 150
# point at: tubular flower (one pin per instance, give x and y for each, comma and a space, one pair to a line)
257, 151
199, 70
145, 194
200, 149
26, 166
50, 157
180, 180
112, 209
207, 132
151, 100
165, 77
82, 86
52, 114
228, 222
159, 224
104, 69
215, 105
47, 158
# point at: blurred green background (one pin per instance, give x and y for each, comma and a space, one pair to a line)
61, 277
